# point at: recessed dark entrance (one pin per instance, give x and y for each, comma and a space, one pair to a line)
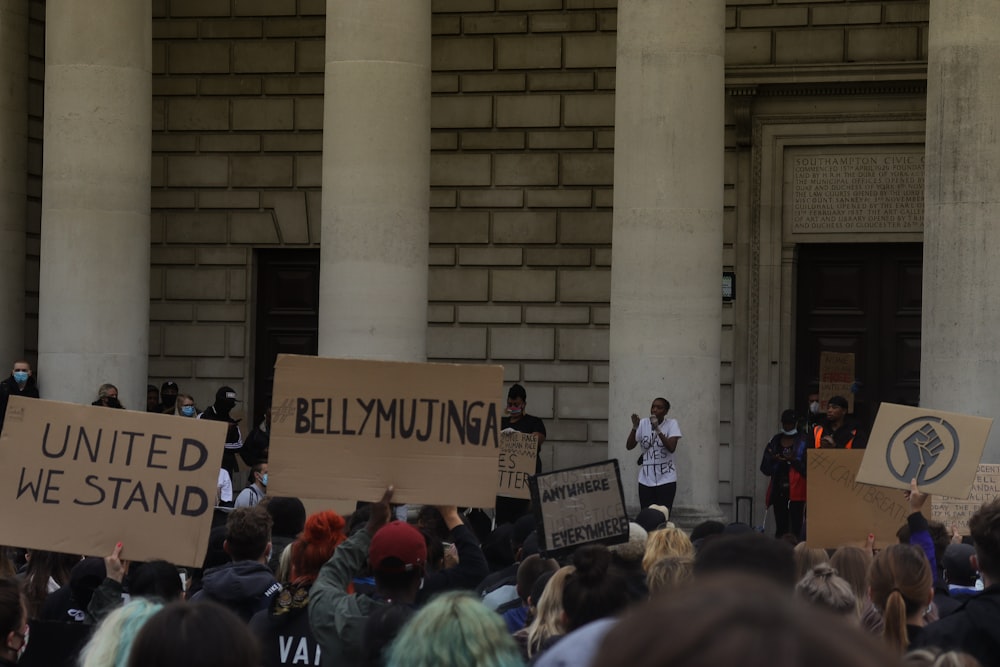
865, 299
287, 313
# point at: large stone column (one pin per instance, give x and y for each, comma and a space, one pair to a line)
960, 358
376, 180
94, 287
666, 268
13, 176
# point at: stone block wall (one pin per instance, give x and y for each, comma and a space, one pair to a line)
825, 32
521, 172
36, 89
237, 141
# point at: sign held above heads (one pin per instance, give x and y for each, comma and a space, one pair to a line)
941, 450
78, 479
579, 506
843, 511
952, 512
349, 428
836, 376
518, 452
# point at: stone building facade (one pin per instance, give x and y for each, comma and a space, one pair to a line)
788, 149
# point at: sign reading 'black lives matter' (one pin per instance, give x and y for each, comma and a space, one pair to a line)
580, 505
78, 479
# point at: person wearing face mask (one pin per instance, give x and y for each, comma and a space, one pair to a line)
784, 462
168, 396
184, 406
256, 487
20, 383
225, 401
107, 397
509, 510
813, 414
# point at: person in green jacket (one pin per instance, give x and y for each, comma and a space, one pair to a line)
397, 554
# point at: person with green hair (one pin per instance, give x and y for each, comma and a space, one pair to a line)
112, 641
455, 630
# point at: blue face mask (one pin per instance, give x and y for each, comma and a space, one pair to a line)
263, 479
187, 410
20, 377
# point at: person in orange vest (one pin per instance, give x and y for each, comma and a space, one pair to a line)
836, 432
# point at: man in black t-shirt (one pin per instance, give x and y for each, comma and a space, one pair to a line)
508, 510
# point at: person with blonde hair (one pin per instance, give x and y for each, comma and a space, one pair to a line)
455, 630
823, 588
669, 574
547, 626
669, 541
852, 564
902, 587
806, 559
184, 407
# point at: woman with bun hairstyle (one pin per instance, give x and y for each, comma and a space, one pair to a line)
288, 616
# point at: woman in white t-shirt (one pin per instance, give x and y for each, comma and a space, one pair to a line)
658, 438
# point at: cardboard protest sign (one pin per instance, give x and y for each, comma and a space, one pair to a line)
78, 479
518, 452
986, 487
941, 450
842, 511
348, 428
836, 375
579, 506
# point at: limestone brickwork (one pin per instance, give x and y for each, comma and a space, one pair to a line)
522, 138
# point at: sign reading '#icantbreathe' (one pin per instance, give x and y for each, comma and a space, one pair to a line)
348, 428
78, 479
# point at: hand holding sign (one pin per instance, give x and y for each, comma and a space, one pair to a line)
381, 512
916, 498
115, 567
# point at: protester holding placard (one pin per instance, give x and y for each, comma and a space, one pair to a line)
658, 437
517, 419
20, 383
397, 554
975, 626
784, 462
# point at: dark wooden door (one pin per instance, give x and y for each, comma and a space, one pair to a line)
865, 299
287, 313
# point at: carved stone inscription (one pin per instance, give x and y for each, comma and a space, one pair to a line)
857, 193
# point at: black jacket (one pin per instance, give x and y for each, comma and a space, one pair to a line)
244, 586
9, 388
973, 628
283, 629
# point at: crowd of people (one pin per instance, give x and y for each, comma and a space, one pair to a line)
443, 587
282, 588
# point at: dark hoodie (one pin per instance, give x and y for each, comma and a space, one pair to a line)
283, 629
244, 586
9, 388
973, 628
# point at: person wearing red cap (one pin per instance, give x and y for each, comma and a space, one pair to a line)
397, 555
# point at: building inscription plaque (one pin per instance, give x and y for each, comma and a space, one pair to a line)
858, 192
